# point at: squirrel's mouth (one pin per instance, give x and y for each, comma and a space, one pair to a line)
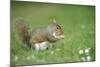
58, 36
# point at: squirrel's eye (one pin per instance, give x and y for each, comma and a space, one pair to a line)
57, 28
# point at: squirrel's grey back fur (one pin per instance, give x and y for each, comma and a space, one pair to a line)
41, 34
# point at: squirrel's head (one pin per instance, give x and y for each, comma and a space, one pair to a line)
56, 30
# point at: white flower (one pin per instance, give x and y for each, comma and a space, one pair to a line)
58, 49
28, 58
88, 58
16, 58
33, 57
87, 50
83, 59
81, 52
83, 26
52, 52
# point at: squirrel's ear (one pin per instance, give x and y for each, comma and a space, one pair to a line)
54, 21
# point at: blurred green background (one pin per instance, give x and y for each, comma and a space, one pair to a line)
77, 21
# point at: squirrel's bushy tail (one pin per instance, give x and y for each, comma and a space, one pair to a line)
23, 31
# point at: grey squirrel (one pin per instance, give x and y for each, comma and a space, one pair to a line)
39, 38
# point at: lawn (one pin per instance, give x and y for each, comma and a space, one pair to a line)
77, 21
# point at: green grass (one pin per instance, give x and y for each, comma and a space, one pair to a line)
77, 22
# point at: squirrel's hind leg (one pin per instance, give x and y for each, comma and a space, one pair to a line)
37, 47
41, 46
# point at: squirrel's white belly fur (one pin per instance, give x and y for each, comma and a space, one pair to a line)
42, 46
